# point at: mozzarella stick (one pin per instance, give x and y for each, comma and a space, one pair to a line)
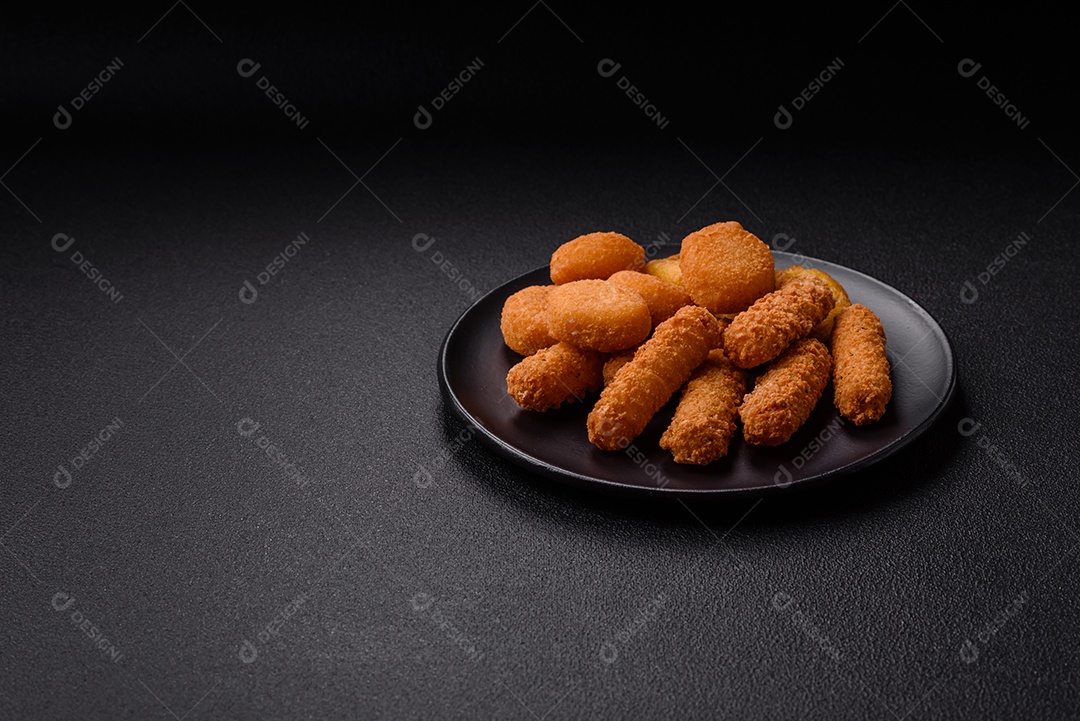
861, 384
785, 395
704, 422
646, 383
553, 376
762, 332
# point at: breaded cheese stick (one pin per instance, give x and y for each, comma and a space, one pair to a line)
615, 363
861, 384
762, 331
704, 422
644, 385
785, 395
553, 376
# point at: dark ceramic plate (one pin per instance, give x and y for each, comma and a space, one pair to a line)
474, 361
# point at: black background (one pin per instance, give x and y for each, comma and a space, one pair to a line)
488, 591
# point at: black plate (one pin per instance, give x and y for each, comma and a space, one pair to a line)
474, 361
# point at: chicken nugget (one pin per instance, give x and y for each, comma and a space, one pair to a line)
662, 297
597, 315
666, 269
822, 330
785, 395
765, 329
595, 256
646, 383
725, 267
553, 376
704, 423
523, 324
861, 384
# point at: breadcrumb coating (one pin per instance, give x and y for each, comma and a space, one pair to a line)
726, 267
762, 332
704, 423
861, 384
555, 375
785, 395
597, 315
595, 256
523, 324
646, 383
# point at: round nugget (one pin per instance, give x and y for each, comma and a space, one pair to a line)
861, 384
597, 315
523, 325
665, 269
595, 256
662, 297
726, 268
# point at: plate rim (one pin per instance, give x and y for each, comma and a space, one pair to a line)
580, 480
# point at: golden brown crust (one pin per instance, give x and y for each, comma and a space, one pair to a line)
523, 324
615, 363
725, 268
597, 315
595, 256
861, 383
822, 330
765, 329
555, 375
704, 423
785, 395
662, 297
659, 368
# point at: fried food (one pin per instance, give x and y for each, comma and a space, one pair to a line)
553, 376
666, 269
785, 395
662, 297
644, 385
595, 256
615, 363
704, 423
822, 330
771, 324
861, 384
523, 324
597, 315
725, 267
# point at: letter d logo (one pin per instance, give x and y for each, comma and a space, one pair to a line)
247, 67
248, 653
968, 67
607, 67
783, 118
64, 239
62, 601
248, 294
62, 118
62, 477
968, 292
422, 119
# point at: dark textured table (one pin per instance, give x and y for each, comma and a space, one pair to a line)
232, 490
